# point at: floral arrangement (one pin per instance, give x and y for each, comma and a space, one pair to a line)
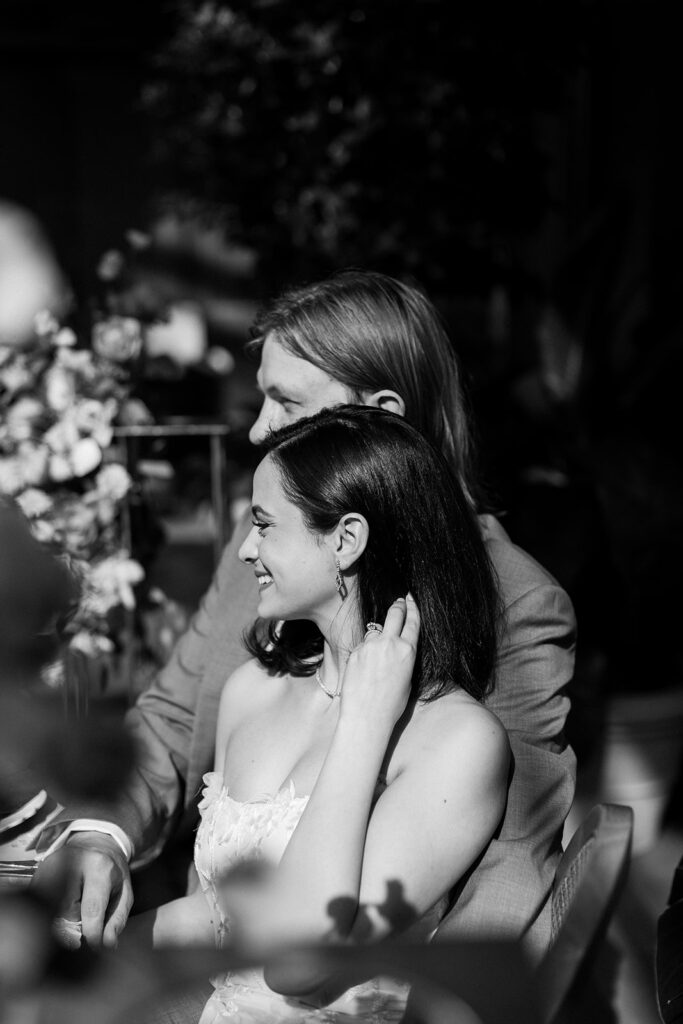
59, 403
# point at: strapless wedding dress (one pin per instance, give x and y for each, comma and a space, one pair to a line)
232, 832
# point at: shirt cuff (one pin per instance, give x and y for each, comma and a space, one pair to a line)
55, 835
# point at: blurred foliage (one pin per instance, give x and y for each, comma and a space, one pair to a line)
402, 136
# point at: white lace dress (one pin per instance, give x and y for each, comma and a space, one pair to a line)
233, 832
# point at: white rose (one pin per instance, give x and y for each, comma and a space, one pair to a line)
113, 481
107, 511
113, 579
11, 476
65, 338
59, 469
128, 572
21, 417
15, 377
77, 361
34, 503
44, 323
94, 418
63, 435
119, 338
34, 462
60, 390
43, 531
85, 456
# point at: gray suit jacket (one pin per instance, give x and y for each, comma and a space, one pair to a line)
175, 724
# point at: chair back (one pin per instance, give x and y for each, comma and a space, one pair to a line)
669, 954
589, 880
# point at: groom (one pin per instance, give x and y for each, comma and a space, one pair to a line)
368, 339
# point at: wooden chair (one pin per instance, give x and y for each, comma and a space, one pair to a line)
669, 954
588, 882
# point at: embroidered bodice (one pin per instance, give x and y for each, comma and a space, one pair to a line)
233, 832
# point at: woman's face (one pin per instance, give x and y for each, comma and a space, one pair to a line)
295, 569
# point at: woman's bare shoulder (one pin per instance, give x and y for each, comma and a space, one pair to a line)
455, 729
252, 671
454, 709
251, 685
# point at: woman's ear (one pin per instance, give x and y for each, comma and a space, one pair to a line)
351, 538
388, 400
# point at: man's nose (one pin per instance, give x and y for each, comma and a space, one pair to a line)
261, 426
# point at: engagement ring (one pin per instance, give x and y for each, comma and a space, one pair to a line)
372, 628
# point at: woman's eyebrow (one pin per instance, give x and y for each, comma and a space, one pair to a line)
256, 510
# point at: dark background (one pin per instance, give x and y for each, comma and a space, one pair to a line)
589, 95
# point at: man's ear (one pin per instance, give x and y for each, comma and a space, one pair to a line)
350, 539
388, 400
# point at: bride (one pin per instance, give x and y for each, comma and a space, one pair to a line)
354, 762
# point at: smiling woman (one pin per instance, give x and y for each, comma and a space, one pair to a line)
335, 734
295, 568
378, 510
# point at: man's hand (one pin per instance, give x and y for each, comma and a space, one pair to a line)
97, 890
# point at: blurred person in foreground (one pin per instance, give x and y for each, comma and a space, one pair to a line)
35, 591
367, 339
44, 758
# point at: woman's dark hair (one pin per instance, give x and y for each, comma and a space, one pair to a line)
370, 332
423, 537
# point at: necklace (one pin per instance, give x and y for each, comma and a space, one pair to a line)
330, 693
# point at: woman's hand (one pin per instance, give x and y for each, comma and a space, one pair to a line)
378, 674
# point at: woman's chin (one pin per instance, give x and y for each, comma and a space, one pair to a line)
265, 608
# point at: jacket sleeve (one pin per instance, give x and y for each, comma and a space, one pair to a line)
535, 664
508, 892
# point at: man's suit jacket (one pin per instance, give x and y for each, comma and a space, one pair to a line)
175, 724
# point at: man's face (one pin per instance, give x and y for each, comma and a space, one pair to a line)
292, 388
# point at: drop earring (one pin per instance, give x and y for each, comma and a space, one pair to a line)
339, 580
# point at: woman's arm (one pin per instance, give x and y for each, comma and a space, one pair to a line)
324, 857
347, 876
187, 921
425, 831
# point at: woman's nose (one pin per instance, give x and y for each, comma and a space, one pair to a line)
248, 551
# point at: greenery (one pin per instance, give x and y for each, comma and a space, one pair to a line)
400, 135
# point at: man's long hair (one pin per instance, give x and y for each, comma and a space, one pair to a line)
371, 332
